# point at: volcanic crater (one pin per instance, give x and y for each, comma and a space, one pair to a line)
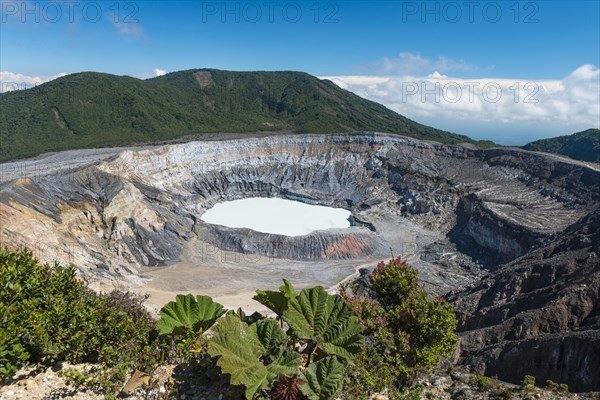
132, 217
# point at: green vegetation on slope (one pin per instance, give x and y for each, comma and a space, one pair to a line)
87, 110
314, 349
47, 315
584, 146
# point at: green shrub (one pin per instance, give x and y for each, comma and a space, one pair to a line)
12, 354
100, 378
502, 394
414, 393
406, 330
49, 316
563, 388
555, 387
483, 383
528, 382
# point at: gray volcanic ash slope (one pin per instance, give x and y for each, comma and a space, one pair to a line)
455, 213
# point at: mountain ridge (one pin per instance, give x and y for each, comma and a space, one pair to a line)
583, 146
91, 109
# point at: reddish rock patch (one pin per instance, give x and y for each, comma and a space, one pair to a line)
347, 247
204, 78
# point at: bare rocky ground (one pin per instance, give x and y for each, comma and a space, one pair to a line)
169, 383
538, 313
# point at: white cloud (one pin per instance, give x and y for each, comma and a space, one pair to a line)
585, 73
562, 106
413, 63
129, 29
10, 81
152, 74
437, 75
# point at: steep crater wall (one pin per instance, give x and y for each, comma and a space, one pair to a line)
333, 244
539, 314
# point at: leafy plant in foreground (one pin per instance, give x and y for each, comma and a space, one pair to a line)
187, 318
253, 355
326, 323
323, 380
278, 302
187, 313
305, 361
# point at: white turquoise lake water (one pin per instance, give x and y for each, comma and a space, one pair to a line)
276, 216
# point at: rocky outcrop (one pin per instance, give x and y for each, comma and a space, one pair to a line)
540, 314
489, 239
205, 382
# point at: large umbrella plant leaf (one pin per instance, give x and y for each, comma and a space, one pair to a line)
269, 334
238, 352
326, 320
276, 301
276, 354
288, 290
188, 313
287, 363
323, 380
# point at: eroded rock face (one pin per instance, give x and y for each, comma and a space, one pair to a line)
540, 314
333, 244
141, 207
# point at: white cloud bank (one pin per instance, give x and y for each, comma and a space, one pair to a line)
10, 81
14, 81
487, 107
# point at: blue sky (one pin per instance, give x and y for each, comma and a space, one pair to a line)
535, 41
